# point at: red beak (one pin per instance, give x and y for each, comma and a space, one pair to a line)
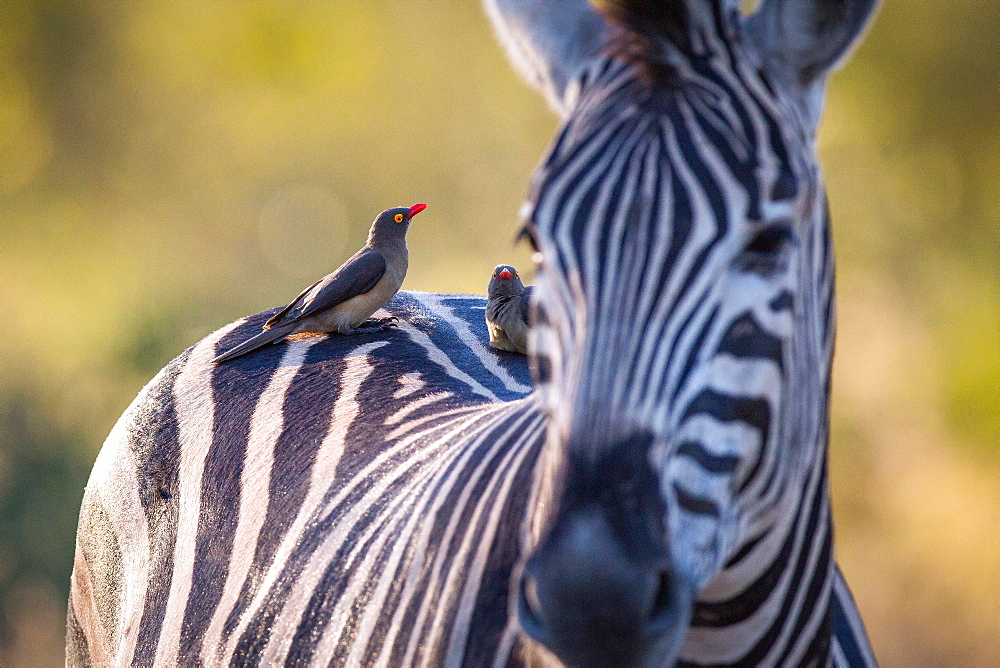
417, 208
505, 275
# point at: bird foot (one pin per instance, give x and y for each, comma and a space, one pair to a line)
376, 325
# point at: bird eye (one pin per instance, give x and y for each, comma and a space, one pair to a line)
399, 217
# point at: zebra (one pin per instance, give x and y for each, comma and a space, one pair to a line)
648, 488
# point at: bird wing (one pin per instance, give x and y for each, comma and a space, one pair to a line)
274, 319
525, 305
355, 277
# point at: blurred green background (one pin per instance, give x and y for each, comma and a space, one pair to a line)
166, 167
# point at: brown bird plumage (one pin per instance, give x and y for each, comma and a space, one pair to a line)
342, 301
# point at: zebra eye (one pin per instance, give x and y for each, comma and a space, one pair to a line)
541, 368
763, 253
527, 233
769, 240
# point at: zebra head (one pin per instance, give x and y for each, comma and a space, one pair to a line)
682, 330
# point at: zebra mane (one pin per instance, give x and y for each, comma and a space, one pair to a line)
655, 34
645, 20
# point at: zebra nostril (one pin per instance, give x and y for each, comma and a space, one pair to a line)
529, 608
661, 613
531, 594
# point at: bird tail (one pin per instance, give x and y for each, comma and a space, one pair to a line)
267, 336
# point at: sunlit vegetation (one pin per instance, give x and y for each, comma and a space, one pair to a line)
167, 167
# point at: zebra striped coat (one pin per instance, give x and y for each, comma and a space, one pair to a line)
271, 510
407, 498
317, 501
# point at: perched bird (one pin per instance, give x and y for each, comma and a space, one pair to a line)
507, 310
340, 302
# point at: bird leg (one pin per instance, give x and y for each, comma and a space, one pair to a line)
375, 325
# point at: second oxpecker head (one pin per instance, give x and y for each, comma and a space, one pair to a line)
504, 282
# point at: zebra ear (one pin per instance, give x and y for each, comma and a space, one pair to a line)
809, 38
550, 42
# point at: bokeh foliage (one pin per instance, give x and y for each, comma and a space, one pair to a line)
169, 166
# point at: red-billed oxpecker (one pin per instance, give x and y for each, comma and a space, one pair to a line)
341, 302
507, 310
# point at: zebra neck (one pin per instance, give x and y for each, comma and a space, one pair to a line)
777, 587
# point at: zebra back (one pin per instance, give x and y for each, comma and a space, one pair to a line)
325, 488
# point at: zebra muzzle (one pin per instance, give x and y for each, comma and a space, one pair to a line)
592, 603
